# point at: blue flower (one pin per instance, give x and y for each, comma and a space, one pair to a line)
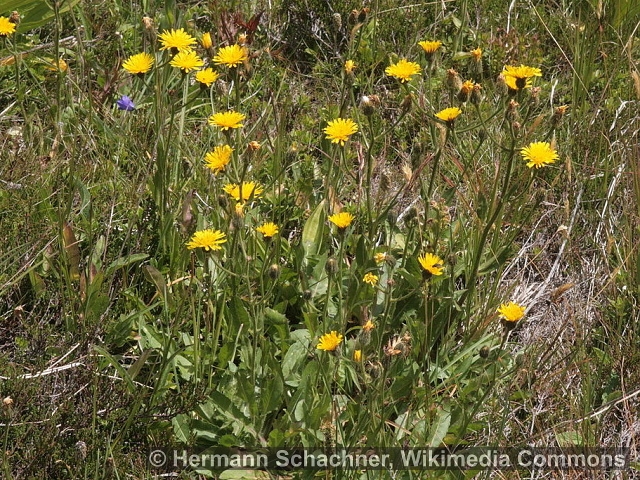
125, 103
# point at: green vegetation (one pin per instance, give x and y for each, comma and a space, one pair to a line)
324, 235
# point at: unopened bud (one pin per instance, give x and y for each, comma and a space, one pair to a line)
332, 266
274, 271
476, 94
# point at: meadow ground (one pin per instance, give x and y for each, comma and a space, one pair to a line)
317, 224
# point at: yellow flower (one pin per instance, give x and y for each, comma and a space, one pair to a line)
341, 220
476, 54
380, 257
340, 129
430, 47
370, 278
329, 341
62, 65
178, 39
206, 76
357, 356
7, 27
349, 65
239, 209
268, 229
539, 154
403, 70
205, 40
218, 158
207, 239
186, 61
231, 56
225, 120
368, 326
511, 312
138, 63
517, 78
431, 263
244, 192
449, 115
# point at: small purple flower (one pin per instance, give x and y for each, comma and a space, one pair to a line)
125, 103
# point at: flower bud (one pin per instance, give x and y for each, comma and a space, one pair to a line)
453, 81
274, 271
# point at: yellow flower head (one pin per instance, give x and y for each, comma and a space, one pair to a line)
218, 158
511, 312
430, 47
403, 70
517, 78
476, 54
138, 63
206, 76
329, 341
539, 154
380, 257
357, 356
368, 326
186, 61
371, 279
340, 129
341, 220
176, 39
231, 56
268, 229
206, 41
61, 67
207, 239
7, 27
243, 192
431, 263
225, 120
449, 115
349, 65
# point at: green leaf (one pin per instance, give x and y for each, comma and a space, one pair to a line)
35, 13
440, 426
313, 231
126, 261
181, 428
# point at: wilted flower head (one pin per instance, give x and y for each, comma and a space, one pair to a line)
403, 70
125, 103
